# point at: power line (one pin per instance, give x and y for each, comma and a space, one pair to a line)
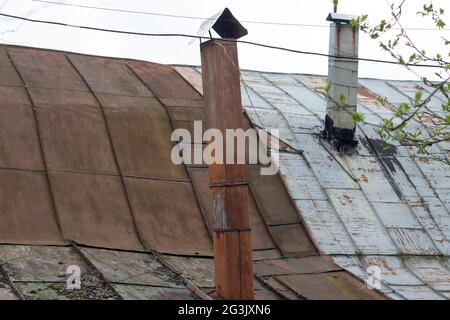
204, 18
182, 35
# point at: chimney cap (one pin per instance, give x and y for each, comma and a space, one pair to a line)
341, 18
225, 24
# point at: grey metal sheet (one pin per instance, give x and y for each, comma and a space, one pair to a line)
39, 263
397, 215
431, 271
417, 293
407, 169
305, 124
413, 241
382, 89
135, 292
367, 231
198, 270
433, 216
132, 268
308, 98
314, 82
437, 173
251, 99
392, 270
326, 229
280, 79
410, 88
300, 181
372, 179
327, 169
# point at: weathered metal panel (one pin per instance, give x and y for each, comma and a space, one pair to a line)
39, 263
433, 216
168, 217
14, 96
417, 293
93, 210
372, 179
132, 268
369, 234
411, 87
280, 79
8, 72
251, 99
19, 143
272, 119
63, 98
329, 172
46, 69
392, 270
382, 89
141, 138
314, 82
136, 292
198, 270
431, 271
305, 124
111, 76
271, 197
26, 210
299, 179
164, 81
331, 285
437, 173
292, 240
192, 76
326, 229
305, 265
309, 99
396, 215
413, 241
75, 139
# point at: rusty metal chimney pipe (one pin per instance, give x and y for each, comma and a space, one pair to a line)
229, 182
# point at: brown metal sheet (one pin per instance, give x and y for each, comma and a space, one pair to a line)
192, 103
93, 210
46, 69
114, 101
14, 95
26, 212
63, 98
132, 268
164, 81
141, 138
313, 264
266, 254
9, 75
19, 143
75, 139
168, 216
134, 292
329, 286
292, 240
260, 236
272, 198
186, 114
105, 75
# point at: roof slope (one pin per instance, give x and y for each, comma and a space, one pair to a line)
87, 180
381, 204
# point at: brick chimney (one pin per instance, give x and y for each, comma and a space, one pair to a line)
342, 79
229, 182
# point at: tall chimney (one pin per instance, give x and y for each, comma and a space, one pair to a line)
229, 182
342, 79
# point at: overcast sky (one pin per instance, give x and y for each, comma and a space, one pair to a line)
177, 50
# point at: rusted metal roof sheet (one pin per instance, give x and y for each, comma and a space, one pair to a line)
93, 210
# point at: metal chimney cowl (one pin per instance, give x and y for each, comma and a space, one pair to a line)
342, 79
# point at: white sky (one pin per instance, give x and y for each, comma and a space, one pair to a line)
177, 50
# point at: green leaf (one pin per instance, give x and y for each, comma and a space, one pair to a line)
358, 117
